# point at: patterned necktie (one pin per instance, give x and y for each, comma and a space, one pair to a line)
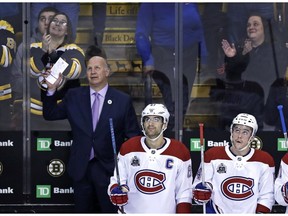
95, 115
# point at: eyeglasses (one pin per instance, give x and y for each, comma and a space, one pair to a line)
57, 22
152, 119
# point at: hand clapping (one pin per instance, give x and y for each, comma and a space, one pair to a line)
247, 46
229, 50
46, 40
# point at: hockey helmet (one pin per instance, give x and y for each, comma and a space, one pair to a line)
247, 120
157, 110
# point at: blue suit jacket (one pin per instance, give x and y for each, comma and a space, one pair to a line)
76, 107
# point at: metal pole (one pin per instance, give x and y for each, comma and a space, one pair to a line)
178, 71
26, 100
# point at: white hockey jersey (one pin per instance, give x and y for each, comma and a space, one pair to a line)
281, 179
240, 184
158, 179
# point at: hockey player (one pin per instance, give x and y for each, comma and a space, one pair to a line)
281, 183
238, 178
155, 171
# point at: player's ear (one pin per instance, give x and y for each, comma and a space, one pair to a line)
164, 126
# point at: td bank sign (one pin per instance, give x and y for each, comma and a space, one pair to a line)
281, 145
43, 191
196, 146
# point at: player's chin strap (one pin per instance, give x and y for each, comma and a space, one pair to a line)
245, 147
163, 129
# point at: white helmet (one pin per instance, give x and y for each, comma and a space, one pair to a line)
157, 110
247, 120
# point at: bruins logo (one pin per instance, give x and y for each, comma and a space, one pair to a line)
256, 143
56, 168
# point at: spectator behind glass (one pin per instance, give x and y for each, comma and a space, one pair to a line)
7, 53
260, 59
91, 161
56, 43
155, 41
167, 162
44, 18
237, 14
71, 9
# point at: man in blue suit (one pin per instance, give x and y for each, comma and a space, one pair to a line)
91, 170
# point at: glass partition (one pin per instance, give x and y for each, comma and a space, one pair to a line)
206, 62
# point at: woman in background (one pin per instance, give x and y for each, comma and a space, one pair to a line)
56, 43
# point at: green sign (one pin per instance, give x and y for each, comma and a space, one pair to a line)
281, 145
195, 144
43, 144
43, 191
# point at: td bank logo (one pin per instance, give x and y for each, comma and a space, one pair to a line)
195, 144
281, 145
43, 144
43, 191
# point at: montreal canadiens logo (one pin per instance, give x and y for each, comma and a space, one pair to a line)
237, 188
150, 181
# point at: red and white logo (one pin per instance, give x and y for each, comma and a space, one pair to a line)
237, 188
150, 181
